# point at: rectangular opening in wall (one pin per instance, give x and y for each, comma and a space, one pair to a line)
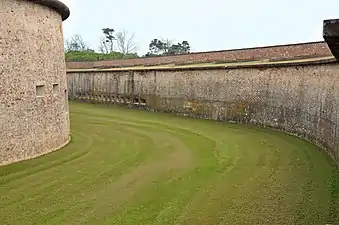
136, 101
142, 101
55, 89
66, 102
40, 90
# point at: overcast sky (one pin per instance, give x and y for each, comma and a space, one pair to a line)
206, 24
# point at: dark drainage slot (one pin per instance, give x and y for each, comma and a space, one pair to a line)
142, 101
136, 101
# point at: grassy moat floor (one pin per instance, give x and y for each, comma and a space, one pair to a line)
125, 166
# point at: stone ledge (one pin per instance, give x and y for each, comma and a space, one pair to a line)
240, 66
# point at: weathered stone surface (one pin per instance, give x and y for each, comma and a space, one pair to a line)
60, 7
279, 52
299, 99
331, 35
31, 54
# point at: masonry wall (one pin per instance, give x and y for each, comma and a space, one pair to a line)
279, 52
302, 99
33, 88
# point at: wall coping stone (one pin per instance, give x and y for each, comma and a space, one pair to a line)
221, 51
251, 66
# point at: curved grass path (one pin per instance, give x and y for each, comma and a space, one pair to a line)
132, 167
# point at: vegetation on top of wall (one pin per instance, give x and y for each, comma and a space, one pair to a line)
120, 45
77, 50
90, 55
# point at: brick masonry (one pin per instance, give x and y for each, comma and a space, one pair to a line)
298, 99
31, 54
279, 52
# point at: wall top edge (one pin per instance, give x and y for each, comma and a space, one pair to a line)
331, 21
56, 5
251, 66
225, 50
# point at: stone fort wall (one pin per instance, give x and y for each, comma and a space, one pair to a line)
33, 89
278, 52
299, 99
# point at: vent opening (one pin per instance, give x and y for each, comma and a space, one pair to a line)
40, 90
56, 89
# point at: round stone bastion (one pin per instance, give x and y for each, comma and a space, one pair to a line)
34, 117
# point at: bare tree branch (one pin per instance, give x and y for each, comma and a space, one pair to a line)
168, 43
76, 43
104, 46
131, 45
126, 44
120, 36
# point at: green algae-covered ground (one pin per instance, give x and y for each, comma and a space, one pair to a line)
125, 166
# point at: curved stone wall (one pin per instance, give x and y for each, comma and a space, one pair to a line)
276, 53
33, 90
299, 99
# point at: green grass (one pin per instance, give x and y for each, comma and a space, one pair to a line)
126, 166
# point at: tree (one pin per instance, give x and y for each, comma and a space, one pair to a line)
167, 43
180, 48
159, 47
108, 42
155, 47
75, 43
165, 47
103, 47
126, 43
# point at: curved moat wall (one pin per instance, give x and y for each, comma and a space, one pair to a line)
33, 89
298, 99
275, 53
